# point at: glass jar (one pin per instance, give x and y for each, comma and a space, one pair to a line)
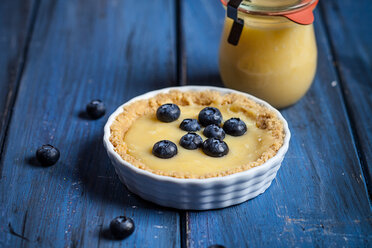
275, 57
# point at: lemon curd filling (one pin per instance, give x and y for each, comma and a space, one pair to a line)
147, 130
134, 142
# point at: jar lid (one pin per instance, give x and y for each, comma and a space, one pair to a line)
298, 11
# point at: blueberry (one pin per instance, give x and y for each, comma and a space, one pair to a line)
190, 125
210, 115
121, 227
96, 109
47, 155
214, 131
168, 112
215, 148
191, 141
235, 127
164, 149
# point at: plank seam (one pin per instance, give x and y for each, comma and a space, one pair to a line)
181, 80
20, 70
350, 120
183, 228
180, 51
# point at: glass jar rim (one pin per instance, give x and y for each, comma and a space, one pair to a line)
251, 8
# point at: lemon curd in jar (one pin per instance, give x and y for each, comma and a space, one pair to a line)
275, 59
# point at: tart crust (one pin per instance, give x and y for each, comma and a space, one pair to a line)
264, 119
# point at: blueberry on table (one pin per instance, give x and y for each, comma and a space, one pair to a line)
190, 125
191, 141
216, 246
235, 127
214, 131
215, 148
96, 109
47, 155
168, 112
121, 227
210, 115
164, 149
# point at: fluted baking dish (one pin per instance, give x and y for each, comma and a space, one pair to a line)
196, 194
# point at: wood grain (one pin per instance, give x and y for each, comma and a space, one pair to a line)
80, 51
349, 26
202, 25
113, 50
318, 197
16, 22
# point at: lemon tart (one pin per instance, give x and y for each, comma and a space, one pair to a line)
135, 131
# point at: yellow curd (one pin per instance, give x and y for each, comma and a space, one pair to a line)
147, 130
136, 130
275, 59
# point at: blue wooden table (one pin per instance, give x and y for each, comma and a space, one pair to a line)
57, 55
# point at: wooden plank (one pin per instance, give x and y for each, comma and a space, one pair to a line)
202, 22
83, 50
349, 26
318, 197
16, 19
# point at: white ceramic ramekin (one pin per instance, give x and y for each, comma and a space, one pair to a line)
197, 194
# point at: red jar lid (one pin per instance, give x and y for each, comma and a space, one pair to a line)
304, 16
301, 13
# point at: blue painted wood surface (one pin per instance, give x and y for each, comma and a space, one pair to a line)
349, 26
82, 50
318, 197
16, 18
76, 51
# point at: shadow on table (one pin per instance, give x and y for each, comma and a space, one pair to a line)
205, 80
31, 160
356, 70
100, 180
